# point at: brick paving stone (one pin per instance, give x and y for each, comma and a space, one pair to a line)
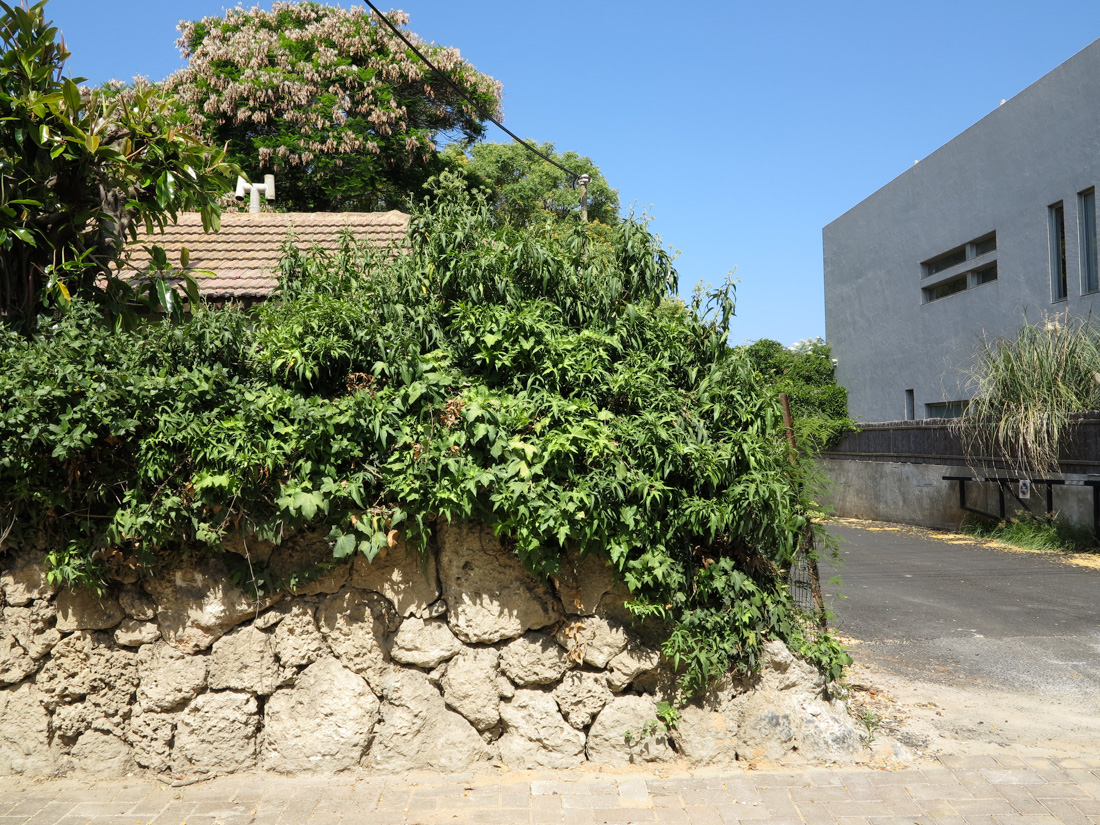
1021, 798
776, 799
672, 816
633, 789
1086, 762
831, 793
703, 815
709, 797
1059, 791
827, 776
590, 801
923, 791
816, 813
937, 808
969, 761
619, 816
1024, 819
983, 806
906, 777
173, 813
741, 789
578, 816
665, 800
860, 787
1066, 812
1013, 776
781, 780
746, 812
852, 807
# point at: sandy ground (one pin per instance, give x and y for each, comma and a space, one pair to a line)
934, 719
956, 716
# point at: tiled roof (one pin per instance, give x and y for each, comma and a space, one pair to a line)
245, 253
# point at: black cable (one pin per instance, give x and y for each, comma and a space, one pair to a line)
462, 92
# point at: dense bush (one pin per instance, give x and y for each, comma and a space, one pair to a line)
806, 373
513, 377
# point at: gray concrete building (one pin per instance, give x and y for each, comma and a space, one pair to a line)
998, 225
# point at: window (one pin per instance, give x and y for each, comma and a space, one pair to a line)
983, 246
944, 261
934, 293
1086, 219
1058, 286
910, 406
985, 274
954, 282
945, 409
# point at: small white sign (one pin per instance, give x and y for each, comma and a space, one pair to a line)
1025, 488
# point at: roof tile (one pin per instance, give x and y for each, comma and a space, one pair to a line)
245, 254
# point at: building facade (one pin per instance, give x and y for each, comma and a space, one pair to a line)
997, 226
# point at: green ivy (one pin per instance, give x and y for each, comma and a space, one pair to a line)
515, 377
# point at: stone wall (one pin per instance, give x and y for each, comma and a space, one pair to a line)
392, 665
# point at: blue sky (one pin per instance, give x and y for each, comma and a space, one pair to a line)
742, 128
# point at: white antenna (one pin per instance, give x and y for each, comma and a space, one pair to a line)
267, 188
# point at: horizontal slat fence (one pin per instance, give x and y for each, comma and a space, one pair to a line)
932, 441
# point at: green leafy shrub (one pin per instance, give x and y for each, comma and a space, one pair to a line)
508, 376
805, 372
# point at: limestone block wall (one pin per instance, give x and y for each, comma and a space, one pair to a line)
403, 663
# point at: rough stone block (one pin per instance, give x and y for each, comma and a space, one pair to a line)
490, 595
322, 723
217, 734
535, 734
83, 610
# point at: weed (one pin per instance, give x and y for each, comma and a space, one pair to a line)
1037, 534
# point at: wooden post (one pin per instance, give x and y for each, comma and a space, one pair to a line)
806, 543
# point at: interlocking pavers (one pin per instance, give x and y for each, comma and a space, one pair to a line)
960, 792
1013, 776
1066, 812
704, 815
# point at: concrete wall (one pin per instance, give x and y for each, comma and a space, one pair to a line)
917, 494
1002, 174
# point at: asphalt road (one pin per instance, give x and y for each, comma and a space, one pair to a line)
962, 614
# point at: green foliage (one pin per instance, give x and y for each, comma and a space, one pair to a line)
330, 100
1027, 390
805, 372
490, 374
81, 172
1032, 533
526, 189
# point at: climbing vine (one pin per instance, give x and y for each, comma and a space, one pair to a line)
515, 377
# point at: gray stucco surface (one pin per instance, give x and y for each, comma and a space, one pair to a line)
917, 494
1001, 175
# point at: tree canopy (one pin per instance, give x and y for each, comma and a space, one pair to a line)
80, 172
328, 98
806, 373
525, 188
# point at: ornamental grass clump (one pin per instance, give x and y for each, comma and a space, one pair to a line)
520, 378
1027, 391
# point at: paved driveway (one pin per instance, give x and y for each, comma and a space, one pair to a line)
964, 614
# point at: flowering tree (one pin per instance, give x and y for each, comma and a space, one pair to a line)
330, 99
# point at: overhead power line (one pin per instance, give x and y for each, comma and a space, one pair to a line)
465, 95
